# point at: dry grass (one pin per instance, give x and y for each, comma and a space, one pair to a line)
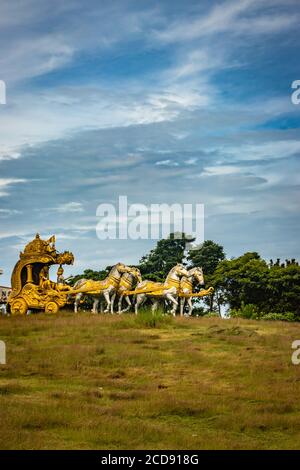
98, 382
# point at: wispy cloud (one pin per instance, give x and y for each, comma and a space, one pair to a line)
69, 207
167, 163
233, 17
188, 104
5, 183
222, 170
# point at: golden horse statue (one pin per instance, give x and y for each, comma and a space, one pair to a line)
126, 283
167, 290
186, 288
106, 288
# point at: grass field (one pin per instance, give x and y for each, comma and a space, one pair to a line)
109, 382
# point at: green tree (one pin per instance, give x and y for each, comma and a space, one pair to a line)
284, 288
90, 274
208, 256
168, 252
243, 280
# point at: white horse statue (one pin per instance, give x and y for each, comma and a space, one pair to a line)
186, 288
98, 289
126, 283
156, 291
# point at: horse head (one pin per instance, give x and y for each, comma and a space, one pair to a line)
197, 273
137, 274
122, 268
180, 270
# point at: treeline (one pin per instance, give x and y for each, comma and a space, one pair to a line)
247, 286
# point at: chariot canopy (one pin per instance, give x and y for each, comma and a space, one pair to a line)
31, 287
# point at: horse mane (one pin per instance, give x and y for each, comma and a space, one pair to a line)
112, 269
79, 282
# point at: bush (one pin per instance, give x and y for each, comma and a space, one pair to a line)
248, 311
152, 320
199, 311
288, 316
212, 315
145, 319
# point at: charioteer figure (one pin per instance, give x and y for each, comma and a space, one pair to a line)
31, 287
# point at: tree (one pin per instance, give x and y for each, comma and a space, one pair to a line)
243, 280
168, 252
284, 288
90, 274
208, 256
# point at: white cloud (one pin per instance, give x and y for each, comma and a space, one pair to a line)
228, 17
220, 170
5, 183
179, 111
44, 54
34, 118
8, 154
69, 207
8, 212
166, 163
265, 150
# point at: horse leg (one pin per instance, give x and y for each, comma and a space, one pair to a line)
107, 299
140, 298
120, 304
154, 306
175, 303
190, 304
182, 303
75, 304
113, 297
77, 301
95, 306
127, 298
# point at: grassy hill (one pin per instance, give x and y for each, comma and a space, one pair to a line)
98, 382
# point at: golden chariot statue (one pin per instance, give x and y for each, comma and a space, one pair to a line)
31, 287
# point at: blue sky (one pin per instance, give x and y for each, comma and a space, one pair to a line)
163, 101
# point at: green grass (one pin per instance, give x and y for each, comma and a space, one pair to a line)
126, 382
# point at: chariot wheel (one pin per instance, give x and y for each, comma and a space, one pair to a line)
19, 307
51, 307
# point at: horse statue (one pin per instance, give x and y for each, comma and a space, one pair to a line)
106, 288
126, 283
186, 289
168, 290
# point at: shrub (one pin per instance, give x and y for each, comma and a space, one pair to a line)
251, 312
153, 320
248, 311
212, 315
288, 316
145, 319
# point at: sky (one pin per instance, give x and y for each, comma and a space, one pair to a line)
162, 101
